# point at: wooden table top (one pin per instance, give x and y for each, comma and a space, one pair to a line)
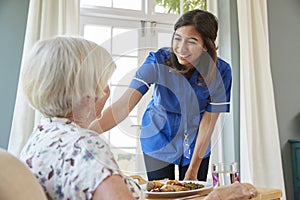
263, 194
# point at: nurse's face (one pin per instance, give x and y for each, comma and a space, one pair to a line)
188, 45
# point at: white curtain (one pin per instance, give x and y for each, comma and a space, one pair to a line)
260, 147
46, 18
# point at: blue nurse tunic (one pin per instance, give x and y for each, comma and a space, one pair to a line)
171, 120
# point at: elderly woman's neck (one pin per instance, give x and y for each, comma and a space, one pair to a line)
83, 120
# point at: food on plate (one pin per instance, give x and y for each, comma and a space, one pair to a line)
192, 185
151, 185
172, 186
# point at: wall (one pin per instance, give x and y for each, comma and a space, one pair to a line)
13, 16
284, 32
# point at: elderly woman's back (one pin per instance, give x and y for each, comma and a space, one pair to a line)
65, 78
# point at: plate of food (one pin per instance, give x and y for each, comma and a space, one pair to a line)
175, 188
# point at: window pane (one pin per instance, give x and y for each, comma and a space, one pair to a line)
194, 4
167, 6
164, 40
126, 67
125, 41
119, 139
173, 6
127, 160
129, 4
123, 4
99, 34
104, 3
125, 134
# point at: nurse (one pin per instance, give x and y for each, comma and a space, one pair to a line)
191, 88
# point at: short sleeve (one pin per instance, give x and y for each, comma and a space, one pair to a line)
220, 90
101, 164
147, 73
98, 159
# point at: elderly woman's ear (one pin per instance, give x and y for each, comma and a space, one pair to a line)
92, 107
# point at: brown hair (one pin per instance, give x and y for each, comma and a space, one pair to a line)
207, 26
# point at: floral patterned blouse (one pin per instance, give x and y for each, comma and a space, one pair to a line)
69, 161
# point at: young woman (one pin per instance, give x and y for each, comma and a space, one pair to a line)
191, 87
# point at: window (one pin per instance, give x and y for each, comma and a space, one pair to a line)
128, 33
133, 4
176, 7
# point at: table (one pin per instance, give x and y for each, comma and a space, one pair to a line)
263, 193
269, 194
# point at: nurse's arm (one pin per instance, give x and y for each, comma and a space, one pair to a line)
205, 131
118, 111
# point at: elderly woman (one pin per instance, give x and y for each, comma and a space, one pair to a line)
65, 79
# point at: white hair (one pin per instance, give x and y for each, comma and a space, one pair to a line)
61, 71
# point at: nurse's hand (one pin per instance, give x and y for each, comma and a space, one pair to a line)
191, 175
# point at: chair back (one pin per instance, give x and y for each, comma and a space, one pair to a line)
16, 180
